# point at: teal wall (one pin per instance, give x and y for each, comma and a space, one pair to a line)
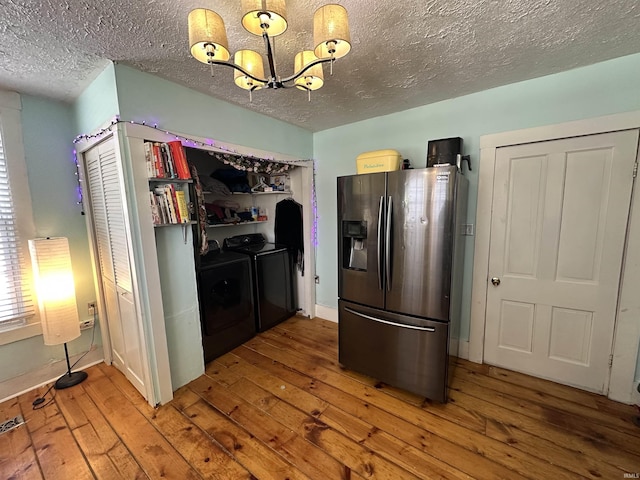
98, 103
600, 89
144, 97
48, 131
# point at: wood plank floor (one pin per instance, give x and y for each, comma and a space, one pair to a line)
280, 407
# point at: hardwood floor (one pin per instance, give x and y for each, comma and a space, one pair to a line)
280, 407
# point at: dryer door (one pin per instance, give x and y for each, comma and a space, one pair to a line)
226, 307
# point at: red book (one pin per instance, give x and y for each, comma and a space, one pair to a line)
173, 203
180, 159
157, 157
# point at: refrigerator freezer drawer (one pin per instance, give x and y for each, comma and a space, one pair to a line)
402, 351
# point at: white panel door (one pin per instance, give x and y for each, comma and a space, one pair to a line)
107, 211
558, 227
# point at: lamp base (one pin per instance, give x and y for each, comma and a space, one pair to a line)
70, 379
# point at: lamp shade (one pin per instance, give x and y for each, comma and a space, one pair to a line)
331, 31
55, 288
252, 62
312, 78
273, 14
207, 36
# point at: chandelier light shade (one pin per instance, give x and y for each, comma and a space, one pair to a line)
252, 62
269, 15
53, 276
267, 18
313, 78
207, 36
331, 32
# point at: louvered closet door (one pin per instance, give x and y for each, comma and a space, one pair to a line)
113, 255
105, 261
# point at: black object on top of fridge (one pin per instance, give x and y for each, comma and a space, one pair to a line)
443, 151
400, 275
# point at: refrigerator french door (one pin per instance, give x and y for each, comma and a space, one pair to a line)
400, 269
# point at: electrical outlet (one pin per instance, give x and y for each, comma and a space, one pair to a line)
91, 308
317, 278
87, 324
467, 229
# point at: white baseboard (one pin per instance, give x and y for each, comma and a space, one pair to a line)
463, 349
46, 374
634, 397
327, 313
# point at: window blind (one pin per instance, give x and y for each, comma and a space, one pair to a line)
16, 302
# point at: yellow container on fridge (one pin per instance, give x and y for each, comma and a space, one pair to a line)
378, 161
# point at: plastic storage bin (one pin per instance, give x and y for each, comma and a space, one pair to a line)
378, 161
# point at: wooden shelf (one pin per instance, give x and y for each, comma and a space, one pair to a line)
170, 180
276, 192
156, 225
253, 222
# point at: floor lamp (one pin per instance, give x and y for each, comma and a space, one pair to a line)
56, 294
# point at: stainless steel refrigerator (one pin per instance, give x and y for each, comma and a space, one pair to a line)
400, 275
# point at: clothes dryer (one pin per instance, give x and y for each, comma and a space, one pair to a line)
272, 277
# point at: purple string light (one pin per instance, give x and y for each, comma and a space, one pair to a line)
79, 180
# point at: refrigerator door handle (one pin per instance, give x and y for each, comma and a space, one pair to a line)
387, 322
387, 245
380, 210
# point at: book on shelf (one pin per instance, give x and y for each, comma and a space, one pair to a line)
149, 160
168, 205
155, 212
171, 200
166, 160
165, 203
182, 206
157, 160
163, 208
160, 206
180, 159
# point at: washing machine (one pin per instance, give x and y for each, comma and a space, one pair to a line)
272, 277
225, 292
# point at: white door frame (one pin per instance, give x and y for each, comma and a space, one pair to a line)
627, 330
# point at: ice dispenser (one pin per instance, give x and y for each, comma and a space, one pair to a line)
354, 236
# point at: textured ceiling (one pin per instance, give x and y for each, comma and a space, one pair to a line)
404, 54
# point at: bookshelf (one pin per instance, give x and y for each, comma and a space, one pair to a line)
169, 177
169, 201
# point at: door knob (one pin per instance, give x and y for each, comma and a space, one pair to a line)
495, 281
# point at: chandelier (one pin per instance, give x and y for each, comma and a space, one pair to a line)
267, 18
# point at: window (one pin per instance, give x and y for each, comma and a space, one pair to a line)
17, 313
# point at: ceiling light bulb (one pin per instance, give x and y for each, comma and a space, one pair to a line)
268, 16
264, 21
331, 32
207, 36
